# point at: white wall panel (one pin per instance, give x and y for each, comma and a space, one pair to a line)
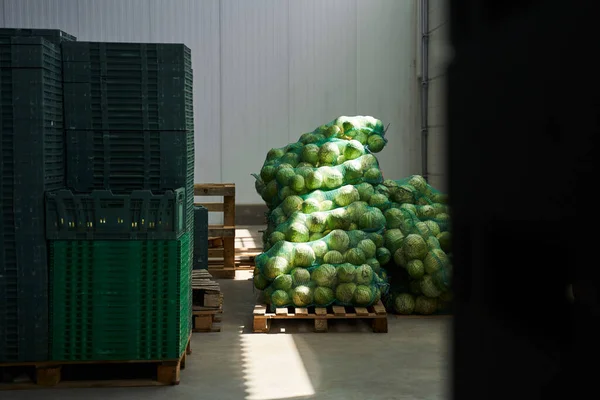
254, 88
266, 71
322, 62
387, 86
43, 14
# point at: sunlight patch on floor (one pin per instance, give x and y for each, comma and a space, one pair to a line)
273, 368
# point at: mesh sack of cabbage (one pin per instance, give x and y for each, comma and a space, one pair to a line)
422, 261
323, 285
367, 130
293, 181
326, 152
300, 227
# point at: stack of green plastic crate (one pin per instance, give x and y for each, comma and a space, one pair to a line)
120, 300
128, 127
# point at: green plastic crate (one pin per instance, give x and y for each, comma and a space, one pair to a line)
113, 300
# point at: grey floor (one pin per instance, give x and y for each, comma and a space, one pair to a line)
292, 362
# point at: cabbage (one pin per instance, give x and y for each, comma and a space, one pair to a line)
291, 204
324, 275
383, 255
345, 292
362, 137
353, 170
268, 173
415, 247
393, 239
355, 256
434, 228
302, 296
324, 296
319, 247
338, 240
316, 222
445, 240
315, 236
275, 266
371, 219
376, 238
284, 175
260, 282
283, 282
423, 230
346, 272
425, 212
297, 233
393, 218
276, 237
435, 260
364, 274
353, 227
415, 268
297, 184
291, 159
380, 201
314, 180
332, 178
268, 292
338, 219
404, 304
275, 154
409, 207
425, 305
328, 153
310, 206
332, 131
353, 150
405, 194
286, 192
304, 255
300, 276
346, 195
400, 257
304, 168
374, 264
362, 296
365, 191
373, 175
368, 161
327, 205
433, 243
418, 182
308, 138
376, 143
355, 237
333, 257
270, 193
340, 160
368, 247
310, 154
428, 287
280, 298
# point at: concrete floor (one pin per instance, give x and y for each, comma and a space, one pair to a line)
349, 362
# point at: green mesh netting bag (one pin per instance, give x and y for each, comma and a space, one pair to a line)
324, 285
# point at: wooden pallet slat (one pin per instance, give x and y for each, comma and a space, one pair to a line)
49, 374
320, 315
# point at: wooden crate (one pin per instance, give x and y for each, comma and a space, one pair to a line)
207, 319
221, 259
320, 315
93, 374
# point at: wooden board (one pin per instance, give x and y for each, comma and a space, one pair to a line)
320, 315
206, 320
52, 374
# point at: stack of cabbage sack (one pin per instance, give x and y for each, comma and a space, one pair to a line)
324, 238
418, 245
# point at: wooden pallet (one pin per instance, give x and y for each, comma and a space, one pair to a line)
377, 313
93, 374
221, 259
207, 319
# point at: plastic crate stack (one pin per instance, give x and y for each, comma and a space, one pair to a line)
122, 232
31, 162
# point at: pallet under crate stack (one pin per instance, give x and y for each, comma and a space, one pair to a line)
119, 224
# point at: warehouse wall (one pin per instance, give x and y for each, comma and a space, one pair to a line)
266, 71
439, 53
